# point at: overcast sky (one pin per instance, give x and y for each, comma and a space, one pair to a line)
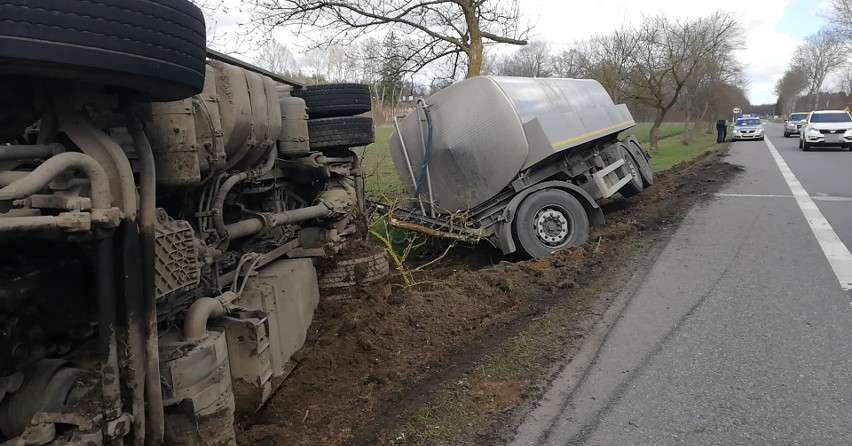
772, 28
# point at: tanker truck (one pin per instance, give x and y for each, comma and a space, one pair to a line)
161, 207
519, 162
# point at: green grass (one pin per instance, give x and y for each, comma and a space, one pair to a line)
672, 152
381, 178
382, 182
641, 131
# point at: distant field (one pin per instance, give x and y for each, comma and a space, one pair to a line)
382, 180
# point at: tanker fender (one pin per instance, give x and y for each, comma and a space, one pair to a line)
505, 240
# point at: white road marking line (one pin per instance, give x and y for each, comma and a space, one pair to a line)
753, 195
835, 251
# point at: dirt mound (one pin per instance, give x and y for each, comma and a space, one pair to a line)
369, 358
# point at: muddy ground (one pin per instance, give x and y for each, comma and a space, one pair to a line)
370, 363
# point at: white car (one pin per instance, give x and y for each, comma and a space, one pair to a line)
826, 128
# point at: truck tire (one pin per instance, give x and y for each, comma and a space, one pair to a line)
786, 134
330, 100
547, 221
642, 163
337, 133
635, 186
156, 47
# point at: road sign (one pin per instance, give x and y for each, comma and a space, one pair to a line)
737, 111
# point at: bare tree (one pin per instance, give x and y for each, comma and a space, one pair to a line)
788, 89
276, 57
438, 29
819, 56
840, 17
533, 60
609, 60
669, 55
567, 64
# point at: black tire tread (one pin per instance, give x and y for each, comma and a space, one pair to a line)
335, 100
160, 42
340, 132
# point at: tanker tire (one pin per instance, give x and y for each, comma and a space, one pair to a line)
528, 239
635, 186
333, 100
642, 163
338, 133
155, 47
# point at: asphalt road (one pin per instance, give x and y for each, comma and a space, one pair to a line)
741, 332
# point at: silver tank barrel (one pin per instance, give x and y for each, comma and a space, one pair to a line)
488, 129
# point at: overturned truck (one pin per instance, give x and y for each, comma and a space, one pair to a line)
519, 162
160, 210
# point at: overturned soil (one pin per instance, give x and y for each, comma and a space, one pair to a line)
370, 361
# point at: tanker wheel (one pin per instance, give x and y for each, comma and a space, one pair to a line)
642, 163
338, 133
330, 100
547, 221
635, 186
154, 47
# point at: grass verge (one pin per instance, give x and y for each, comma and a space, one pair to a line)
672, 152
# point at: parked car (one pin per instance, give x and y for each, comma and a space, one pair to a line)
827, 128
793, 124
747, 128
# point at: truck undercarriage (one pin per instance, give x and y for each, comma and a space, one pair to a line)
159, 213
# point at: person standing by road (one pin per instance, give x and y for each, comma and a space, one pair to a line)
721, 131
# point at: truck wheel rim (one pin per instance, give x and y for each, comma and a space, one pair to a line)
553, 226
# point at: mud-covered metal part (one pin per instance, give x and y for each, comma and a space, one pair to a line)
154, 430
293, 140
202, 311
132, 325
39, 178
208, 127
108, 345
173, 139
177, 263
107, 152
254, 226
197, 390
270, 325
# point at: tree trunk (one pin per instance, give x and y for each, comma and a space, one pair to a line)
699, 120
686, 135
653, 135
475, 48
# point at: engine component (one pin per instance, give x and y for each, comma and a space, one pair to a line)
197, 393
293, 140
250, 352
156, 47
173, 140
177, 262
284, 293
208, 126
249, 125
338, 133
330, 100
